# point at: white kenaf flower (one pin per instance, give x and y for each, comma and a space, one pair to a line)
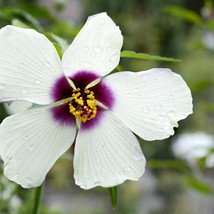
192, 146
83, 106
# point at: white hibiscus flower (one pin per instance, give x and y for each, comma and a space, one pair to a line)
106, 152
193, 146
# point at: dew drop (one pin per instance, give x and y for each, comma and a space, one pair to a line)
171, 97
103, 145
128, 95
119, 93
109, 49
143, 84
20, 159
160, 117
38, 82
28, 181
97, 49
114, 58
86, 64
141, 117
97, 183
145, 109
26, 137
2, 86
21, 65
47, 64
99, 30
24, 92
158, 106
121, 172
153, 120
86, 49
171, 113
16, 175
42, 50
136, 90
30, 147
128, 169
137, 173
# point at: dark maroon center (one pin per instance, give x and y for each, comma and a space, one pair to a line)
81, 79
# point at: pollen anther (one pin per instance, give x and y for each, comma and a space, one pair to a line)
83, 105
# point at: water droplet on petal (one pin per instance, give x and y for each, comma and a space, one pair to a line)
28, 181
153, 120
171, 97
158, 106
16, 175
47, 64
97, 49
99, 29
136, 90
109, 49
2, 86
38, 82
26, 137
24, 92
103, 145
119, 93
145, 109
171, 113
21, 65
114, 58
30, 147
86, 64
160, 117
121, 172
86, 49
42, 50
143, 84
97, 183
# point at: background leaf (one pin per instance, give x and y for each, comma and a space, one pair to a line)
132, 54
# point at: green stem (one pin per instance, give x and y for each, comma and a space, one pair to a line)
37, 199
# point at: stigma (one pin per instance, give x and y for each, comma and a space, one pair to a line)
83, 105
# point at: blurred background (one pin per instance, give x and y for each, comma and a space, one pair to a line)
180, 170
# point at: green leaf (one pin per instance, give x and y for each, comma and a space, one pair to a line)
168, 164
113, 196
13, 13
185, 14
132, 54
199, 185
62, 42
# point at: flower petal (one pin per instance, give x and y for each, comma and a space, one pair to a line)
96, 47
107, 154
31, 142
150, 103
29, 65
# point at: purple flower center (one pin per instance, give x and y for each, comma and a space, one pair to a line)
62, 90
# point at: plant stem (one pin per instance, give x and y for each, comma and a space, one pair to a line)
37, 199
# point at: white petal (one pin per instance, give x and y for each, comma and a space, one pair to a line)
17, 106
31, 142
96, 47
29, 65
107, 154
150, 103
